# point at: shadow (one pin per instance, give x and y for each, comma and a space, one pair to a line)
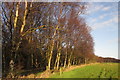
28, 72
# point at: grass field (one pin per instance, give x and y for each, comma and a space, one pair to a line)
100, 70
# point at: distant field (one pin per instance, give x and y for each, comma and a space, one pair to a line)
102, 70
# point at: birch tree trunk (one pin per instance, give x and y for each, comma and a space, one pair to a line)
59, 42
14, 49
16, 16
58, 58
65, 59
51, 49
69, 60
24, 18
56, 66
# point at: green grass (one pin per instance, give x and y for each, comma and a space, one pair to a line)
102, 70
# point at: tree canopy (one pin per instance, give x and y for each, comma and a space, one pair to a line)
44, 36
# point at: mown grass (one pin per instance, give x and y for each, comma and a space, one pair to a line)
102, 70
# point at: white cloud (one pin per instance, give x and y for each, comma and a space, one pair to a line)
92, 20
94, 8
102, 16
106, 8
106, 23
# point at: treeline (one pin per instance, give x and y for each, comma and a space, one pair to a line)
44, 36
107, 60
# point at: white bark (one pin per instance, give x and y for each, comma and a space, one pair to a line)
24, 18
16, 15
58, 58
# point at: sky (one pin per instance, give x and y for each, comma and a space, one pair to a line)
102, 17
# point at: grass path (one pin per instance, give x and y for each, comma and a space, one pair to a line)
47, 74
99, 70
93, 70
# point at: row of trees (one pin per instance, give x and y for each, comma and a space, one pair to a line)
44, 36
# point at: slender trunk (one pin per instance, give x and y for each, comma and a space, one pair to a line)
16, 15
73, 61
50, 55
85, 60
11, 68
56, 66
24, 18
32, 59
15, 23
14, 49
32, 56
51, 49
55, 62
77, 62
58, 45
36, 63
28, 62
3, 60
53, 41
69, 60
65, 59
58, 58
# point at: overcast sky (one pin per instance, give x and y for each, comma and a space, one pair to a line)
103, 18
